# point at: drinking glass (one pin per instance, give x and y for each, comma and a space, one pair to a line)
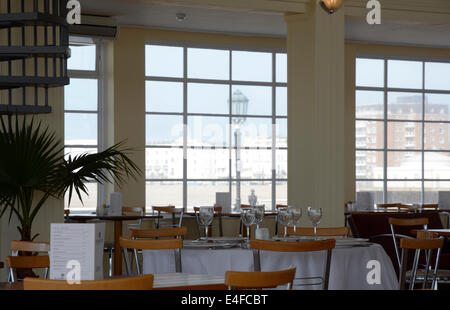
315, 214
248, 218
285, 218
206, 215
295, 214
259, 215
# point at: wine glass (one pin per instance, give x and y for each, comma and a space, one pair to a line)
259, 214
285, 218
295, 214
315, 214
248, 218
206, 215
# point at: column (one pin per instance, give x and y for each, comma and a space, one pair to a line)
316, 162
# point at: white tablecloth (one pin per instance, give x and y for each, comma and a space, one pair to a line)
348, 265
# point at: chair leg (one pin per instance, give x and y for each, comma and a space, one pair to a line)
110, 262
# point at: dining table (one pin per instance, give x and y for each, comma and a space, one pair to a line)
118, 226
163, 281
352, 263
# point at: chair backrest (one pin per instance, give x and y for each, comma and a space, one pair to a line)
307, 246
145, 244
28, 246
130, 209
22, 262
279, 207
253, 280
158, 233
428, 245
143, 282
173, 212
321, 231
404, 222
217, 212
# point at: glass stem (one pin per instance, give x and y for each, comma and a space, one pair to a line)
248, 232
315, 232
295, 230
206, 232
285, 231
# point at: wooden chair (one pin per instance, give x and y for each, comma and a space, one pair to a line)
176, 232
253, 280
402, 222
29, 249
109, 246
428, 245
169, 232
277, 208
142, 244
307, 246
217, 212
173, 212
143, 282
22, 262
321, 231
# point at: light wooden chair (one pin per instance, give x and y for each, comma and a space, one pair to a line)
28, 248
171, 211
321, 231
259, 280
143, 282
307, 246
143, 244
278, 207
217, 213
109, 246
404, 222
22, 262
174, 232
428, 245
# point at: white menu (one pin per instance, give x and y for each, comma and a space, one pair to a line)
76, 251
224, 200
115, 204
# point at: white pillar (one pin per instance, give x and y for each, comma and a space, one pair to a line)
315, 47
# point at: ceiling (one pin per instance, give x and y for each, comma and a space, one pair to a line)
260, 24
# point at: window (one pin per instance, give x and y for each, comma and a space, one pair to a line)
198, 141
410, 100
82, 111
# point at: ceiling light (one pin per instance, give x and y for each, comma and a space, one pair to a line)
331, 6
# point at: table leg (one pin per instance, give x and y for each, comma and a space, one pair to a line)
117, 249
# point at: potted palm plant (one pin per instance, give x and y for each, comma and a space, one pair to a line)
33, 169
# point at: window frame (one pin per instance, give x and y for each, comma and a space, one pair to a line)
230, 83
386, 120
99, 75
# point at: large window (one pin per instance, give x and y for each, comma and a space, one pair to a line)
402, 130
198, 141
82, 111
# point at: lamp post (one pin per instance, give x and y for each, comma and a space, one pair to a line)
239, 107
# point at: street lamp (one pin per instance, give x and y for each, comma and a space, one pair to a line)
239, 107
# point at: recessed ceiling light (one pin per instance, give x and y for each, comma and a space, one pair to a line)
180, 17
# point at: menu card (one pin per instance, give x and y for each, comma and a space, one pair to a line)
224, 200
76, 251
116, 204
